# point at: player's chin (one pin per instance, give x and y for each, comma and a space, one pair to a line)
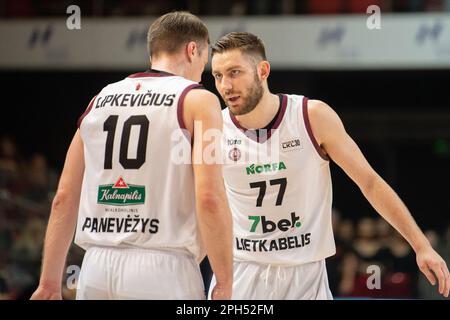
235, 110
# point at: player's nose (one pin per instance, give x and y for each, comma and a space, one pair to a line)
226, 85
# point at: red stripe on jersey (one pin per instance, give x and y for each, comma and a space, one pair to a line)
180, 106
88, 109
250, 134
151, 73
310, 132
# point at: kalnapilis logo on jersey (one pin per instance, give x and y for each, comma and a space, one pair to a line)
121, 194
269, 167
270, 226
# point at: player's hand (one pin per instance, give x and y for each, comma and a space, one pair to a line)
221, 292
44, 293
434, 267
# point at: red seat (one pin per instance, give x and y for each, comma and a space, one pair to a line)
325, 7
360, 6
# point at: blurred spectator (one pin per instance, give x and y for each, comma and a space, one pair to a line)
40, 180
401, 275
366, 243
17, 282
342, 266
26, 190
20, 266
9, 163
367, 249
385, 232
334, 262
27, 247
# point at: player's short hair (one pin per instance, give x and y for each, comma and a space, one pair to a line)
244, 41
170, 32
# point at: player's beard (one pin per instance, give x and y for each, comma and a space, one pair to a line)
251, 99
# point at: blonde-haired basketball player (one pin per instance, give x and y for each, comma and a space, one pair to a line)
281, 205
142, 211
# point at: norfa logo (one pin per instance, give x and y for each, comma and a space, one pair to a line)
269, 167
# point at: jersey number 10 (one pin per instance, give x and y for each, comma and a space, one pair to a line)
110, 127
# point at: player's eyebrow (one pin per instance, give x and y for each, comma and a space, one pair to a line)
232, 67
228, 69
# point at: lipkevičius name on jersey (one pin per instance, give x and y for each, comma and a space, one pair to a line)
121, 194
136, 100
269, 167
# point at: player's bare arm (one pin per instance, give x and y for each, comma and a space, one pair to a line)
340, 147
61, 226
213, 214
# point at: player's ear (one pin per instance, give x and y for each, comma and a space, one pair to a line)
264, 69
191, 50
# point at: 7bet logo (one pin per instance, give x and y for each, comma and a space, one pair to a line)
270, 226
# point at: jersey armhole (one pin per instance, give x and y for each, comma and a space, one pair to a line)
85, 113
319, 150
180, 107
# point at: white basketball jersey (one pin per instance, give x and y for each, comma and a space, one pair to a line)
279, 190
136, 192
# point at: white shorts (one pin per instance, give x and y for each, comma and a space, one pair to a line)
254, 281
123, 273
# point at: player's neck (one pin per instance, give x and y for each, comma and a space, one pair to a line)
263, 113
172, 65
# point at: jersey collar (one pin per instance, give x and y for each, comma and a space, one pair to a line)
151, 73
251, 133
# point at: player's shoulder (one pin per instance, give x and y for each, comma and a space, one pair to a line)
323, 119
314, 111
200, 100
200, 95
311, 105
319, 109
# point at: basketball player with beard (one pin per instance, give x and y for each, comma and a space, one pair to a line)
281, 205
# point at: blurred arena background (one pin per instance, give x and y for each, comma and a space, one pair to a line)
390, 85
